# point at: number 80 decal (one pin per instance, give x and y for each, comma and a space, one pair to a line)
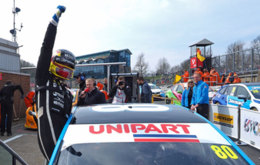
223, 152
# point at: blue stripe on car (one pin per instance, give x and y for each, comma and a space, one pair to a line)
55, 151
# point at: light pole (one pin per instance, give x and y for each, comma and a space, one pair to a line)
15, 11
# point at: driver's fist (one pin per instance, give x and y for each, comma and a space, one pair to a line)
57, 15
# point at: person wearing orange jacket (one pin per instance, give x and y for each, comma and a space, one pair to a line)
206, 76
214, 77
230, 78
199, 71
236, 79
185, 76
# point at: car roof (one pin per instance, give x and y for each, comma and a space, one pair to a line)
134, 113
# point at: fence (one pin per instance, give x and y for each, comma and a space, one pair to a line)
245, 61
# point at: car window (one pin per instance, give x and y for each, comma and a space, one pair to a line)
230, 91
242, 91
179, 88
173, 87
150, 153
222, 91
255, 91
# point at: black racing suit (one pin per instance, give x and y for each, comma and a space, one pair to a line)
53, 100
7, 94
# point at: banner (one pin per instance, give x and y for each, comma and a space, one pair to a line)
195, 63
250, 127
225, 118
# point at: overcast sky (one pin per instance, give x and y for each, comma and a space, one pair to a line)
157, 28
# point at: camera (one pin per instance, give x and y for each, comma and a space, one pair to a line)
121, 83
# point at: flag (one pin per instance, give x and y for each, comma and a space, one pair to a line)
177, 79
199, 56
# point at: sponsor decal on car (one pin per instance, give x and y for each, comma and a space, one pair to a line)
142, 132
222, 119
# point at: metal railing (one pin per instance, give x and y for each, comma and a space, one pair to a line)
245, 61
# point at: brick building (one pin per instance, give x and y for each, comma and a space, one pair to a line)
10, 71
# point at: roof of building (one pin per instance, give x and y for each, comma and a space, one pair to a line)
134, 113
204, 42
102, 53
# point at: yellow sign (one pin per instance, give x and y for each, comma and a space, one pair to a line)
222, 119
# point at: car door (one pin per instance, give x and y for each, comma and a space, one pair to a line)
229, 94
241, 91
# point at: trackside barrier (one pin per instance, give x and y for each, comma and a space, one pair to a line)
167, 100
236, 122
250, 127
225, 118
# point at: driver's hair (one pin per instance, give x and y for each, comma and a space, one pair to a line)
91, 79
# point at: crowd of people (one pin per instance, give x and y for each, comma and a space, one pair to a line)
212, 77
92, 92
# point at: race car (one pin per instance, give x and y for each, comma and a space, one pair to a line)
245, 94
175, 92
143, 134
156, 91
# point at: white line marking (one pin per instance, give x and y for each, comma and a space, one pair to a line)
13, 138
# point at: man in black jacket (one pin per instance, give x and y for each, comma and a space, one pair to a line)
145, 91
53, 100
6, 96
121, 93
91, 95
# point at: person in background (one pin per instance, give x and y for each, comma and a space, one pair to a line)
206, 76
91, 95
80, 79
187, 95
200, 96
214, 77
223, 79
105, 84
236, 79
199, 71
145, 91
7, 100
185, 76
120, 93
230, 78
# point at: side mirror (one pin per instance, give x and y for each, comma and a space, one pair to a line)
242, 97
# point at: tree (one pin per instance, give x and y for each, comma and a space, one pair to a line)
26, 64
141, 66
235, 47
163, 66
256, 42
234, 57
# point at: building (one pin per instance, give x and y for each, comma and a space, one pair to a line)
9, 58
109, 56
10, 71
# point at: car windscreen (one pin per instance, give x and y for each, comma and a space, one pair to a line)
255, 90
149, 153
154, 87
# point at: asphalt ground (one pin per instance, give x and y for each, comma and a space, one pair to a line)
24, 143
